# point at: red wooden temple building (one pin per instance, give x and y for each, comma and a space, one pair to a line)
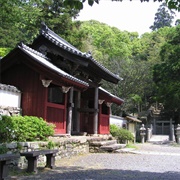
60, 84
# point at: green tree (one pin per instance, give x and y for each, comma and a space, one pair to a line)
128, 55
166, 74
59, 18
177, 22
20, 21
78, 4
163, 17
105, 42
8, 23
136, 88
4, 51
173, 4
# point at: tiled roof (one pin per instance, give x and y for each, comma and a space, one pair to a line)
57, 40
9, 88
132, 119
114, 98
44, 60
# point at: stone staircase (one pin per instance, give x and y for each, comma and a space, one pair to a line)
102, 146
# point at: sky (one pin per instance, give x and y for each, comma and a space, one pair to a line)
132, 16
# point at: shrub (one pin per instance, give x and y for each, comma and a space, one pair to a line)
122, 135
114, 130
3, 149
51, 145
24, 128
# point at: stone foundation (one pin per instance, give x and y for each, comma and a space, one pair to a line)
68, 146
67, 149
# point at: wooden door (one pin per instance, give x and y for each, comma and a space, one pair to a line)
56, 109
56, 116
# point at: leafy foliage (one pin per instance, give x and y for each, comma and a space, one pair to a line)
3, 149
24, 128
131, 57
20, 20
78, 4
163, 17
121, 134
51, 145
173, 4
166, 74
177, 22
4, 51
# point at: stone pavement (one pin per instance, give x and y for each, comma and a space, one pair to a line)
148, 162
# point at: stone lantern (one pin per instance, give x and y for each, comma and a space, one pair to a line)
142, 133
178, 133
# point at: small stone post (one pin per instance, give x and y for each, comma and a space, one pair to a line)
178, 133
142, 133
173, 137
148, 134
171, 131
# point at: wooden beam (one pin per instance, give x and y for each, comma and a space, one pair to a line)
87, 110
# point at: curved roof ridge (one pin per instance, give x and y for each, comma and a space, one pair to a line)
22, 45
112, 95
41, 59
105, 69
48, 33
55, 38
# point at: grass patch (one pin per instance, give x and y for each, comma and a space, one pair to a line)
131, 146
175, 144
13, 172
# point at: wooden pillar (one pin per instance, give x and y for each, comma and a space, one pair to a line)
70, 106
77, 113
95, 128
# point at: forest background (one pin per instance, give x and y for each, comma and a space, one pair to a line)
149, 65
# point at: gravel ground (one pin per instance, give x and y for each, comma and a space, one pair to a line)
150, 163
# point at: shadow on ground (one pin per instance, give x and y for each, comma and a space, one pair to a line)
79, 173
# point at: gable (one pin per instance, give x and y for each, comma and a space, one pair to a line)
49, 42
40, 63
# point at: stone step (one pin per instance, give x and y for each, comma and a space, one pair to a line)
125, 150
103, 143
112, 148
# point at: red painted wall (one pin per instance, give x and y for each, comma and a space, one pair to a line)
28, 82
34, 96
104, 121
87, 119
56, 115
104, 124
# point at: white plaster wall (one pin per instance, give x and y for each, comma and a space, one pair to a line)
11, 99
117, 120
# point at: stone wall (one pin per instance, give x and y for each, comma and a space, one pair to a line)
10, 111
10, 98
68, 147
